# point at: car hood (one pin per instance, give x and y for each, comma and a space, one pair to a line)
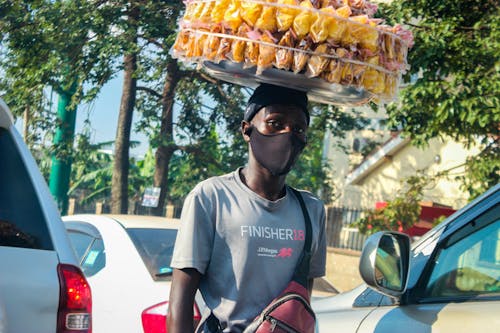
338, 302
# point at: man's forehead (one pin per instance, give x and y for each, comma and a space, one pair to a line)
286, 110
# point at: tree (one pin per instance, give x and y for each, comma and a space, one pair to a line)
57, 44
454, 79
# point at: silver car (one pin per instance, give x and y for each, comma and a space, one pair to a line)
42, 289
448, 282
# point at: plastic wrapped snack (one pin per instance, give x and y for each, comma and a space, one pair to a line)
335, 49
285, 15
250, 12
284, 53
303, 21
267, 19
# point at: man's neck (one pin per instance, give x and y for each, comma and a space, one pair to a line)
260, 181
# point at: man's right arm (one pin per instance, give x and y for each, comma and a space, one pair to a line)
185, 283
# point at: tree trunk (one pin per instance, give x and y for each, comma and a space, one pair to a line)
167, 146
119, 182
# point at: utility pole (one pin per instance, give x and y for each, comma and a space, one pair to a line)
63, 142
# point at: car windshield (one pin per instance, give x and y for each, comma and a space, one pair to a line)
155, 247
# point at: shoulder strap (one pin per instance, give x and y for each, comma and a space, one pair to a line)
302, 269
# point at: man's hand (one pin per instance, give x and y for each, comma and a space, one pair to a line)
184, 286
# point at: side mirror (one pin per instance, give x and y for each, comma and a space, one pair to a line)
384, 262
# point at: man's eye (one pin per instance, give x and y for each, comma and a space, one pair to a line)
274, 124
299, 130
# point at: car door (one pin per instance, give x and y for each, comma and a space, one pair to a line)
29, 283
459, 290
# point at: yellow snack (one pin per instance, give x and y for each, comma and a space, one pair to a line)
219, 9
212, 44
251, 54
286, 15
390, 86
373, 81
320, 30
232, 16
338, 26
250, 12
191, 7
333, 71
238, 46
181, 42
198, 8
318, 62
360, 30
206, 12
284, 56
267, 19
300, 58
224, 49
267, 53
304, 20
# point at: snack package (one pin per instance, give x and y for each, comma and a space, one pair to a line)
232, 16
285, 14
284, 54
319, 61
303, 21
301, 55
335, 41
267, 52
267, 19
250, 12
219, 9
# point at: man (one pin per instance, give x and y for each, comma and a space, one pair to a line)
242, 234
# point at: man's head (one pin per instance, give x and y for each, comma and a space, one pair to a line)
275, 126
268, 94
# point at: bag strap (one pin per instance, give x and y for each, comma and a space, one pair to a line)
302, 270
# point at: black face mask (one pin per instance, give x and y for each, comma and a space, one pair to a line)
276, 152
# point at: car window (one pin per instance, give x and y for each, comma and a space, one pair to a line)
22, 222
469, 263
80, 242
155, 247
89, 250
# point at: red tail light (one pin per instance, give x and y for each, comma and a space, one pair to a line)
154, 318
75, 301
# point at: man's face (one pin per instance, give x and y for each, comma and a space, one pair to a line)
277, 119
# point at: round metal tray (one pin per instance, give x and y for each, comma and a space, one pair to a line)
318, 90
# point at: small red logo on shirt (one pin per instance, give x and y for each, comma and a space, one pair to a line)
285, 252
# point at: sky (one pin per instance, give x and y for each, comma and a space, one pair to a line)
103, 117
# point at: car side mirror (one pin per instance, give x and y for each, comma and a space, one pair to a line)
384, 262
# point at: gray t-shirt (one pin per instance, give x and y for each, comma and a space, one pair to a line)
245, 246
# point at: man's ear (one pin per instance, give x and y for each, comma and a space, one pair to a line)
246, 129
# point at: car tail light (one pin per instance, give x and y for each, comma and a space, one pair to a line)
75, 301
154, 318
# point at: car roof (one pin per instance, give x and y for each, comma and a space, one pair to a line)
6, 119
130, 221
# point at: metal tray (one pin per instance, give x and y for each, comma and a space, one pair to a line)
318, 90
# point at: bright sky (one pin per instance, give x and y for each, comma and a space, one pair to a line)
103, 117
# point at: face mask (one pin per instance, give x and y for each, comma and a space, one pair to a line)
277, 152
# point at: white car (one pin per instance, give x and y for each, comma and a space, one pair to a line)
126, 261
449, 282
42, 289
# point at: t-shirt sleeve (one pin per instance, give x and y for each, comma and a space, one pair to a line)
193, 245
318, 259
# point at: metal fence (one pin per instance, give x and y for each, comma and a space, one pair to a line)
339, 230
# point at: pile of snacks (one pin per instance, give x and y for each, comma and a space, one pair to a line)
337, 41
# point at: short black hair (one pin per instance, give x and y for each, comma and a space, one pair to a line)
266, 94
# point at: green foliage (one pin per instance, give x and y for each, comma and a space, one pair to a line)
455, 77
400, 213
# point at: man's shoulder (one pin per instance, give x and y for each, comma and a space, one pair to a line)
214, 183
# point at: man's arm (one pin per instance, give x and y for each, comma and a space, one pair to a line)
183, 290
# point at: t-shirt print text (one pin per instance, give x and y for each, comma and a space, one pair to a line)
284, 252
248, 231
